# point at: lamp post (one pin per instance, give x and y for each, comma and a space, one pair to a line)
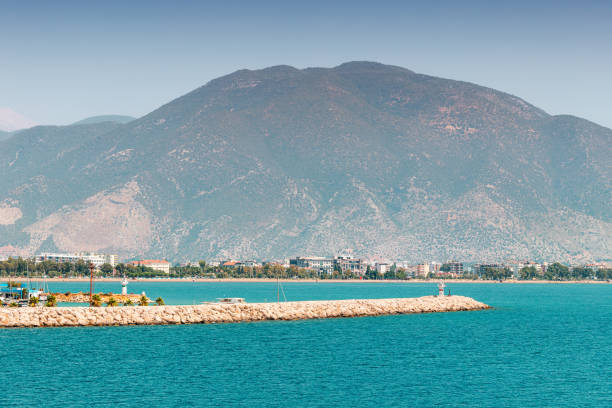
441, 287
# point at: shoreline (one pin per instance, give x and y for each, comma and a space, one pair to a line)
270, 280
230, 313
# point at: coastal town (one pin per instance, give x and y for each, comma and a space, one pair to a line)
301, 267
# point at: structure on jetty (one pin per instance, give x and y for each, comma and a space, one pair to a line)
231, 312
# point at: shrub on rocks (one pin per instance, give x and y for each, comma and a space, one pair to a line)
96, 301
51, 301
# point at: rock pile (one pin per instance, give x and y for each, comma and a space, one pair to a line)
81, 297
230, 313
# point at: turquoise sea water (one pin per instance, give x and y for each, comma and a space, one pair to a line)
542, 345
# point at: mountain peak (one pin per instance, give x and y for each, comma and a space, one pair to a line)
369, 66
278, 162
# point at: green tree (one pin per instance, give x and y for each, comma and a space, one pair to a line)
33, 301
144, 301
557, 271
120, 269
112, 302
528, 273
604, 274
393, 272
580, 273
337, 272
65, 268
128, 302
106, 269
81, 267
96, 300
51, 301
159, 301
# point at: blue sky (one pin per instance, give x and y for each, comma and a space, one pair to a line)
62, 61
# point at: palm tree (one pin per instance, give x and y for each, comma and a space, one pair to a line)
144, 301
51, 301
96, 301
159, 301
128, 302
33, 301
112, 302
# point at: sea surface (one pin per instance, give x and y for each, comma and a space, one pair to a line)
542, 345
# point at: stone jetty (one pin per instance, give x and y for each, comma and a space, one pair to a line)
229, 313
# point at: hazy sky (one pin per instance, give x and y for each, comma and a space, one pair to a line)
62, 61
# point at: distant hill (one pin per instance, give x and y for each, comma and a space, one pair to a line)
11, 121
363, 157
4, 135
105, 118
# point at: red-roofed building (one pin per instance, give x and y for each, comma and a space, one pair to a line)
158, 265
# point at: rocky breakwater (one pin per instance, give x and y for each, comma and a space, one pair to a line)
230, 313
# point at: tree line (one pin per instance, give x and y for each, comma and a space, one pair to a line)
561, 272
14, 267
18, 267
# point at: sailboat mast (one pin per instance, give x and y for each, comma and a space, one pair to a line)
28, 275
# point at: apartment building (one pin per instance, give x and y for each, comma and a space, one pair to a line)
96, 259
157, 264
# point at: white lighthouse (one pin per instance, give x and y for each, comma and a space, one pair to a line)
441, 287
124, 283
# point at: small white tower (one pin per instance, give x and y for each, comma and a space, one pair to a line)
124, 283
441, 287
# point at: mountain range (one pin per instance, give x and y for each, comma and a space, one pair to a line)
363, 158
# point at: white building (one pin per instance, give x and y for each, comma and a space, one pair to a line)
96, 259
251, 264
323, 265
382, 267
350, 264
157, 264
516, 266
423, 269
434, 267
328, 265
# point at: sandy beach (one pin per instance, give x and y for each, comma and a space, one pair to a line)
261, 280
